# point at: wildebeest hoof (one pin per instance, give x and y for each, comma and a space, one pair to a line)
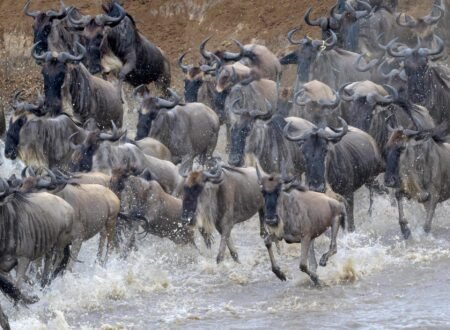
405, 231
323, 261
315, 280
351, 228
28, 300
423, 197
427, 228
219, 259
279, 273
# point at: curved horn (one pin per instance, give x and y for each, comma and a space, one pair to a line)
236, 110
23, 174
436, 51
33, 14
335, 135
363, 13
410, 133
430, 19
296, 96
375, 98
58, 15
291, 34
140, 89
66, 57
343, 95
161, 103
82, 22
184, 68
330, 104
333, 41
364, 68
312, 22
333, 14
409, 21
37, 57
206, 54
229, 56
72, 145
295, 138
403, 53
258, 174
216, 176
260, 114
105, 19
390, 75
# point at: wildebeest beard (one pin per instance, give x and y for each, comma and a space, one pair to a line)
191, 88
419, 84
144, 125
13, 137
190, 202
270, 207
392, 174
82, 159
219, 103
238, 140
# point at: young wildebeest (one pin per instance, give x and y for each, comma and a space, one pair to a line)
96, 210
344, 158
188, 130
143, 197
101, 152
33, 226
67, 83
220, 198
297, 215
418, 166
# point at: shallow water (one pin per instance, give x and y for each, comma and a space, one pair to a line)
375, 281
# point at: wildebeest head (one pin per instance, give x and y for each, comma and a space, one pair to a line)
222, 55
194, 185
23, 112
43, 22
314, 146
306, 53
83, 155
365, 97
149, 108
270, 186
242, 127
348, 21
412, 150
416, 66
422, 26
193, 79
317, 101
326, 24
93, 33
54, 69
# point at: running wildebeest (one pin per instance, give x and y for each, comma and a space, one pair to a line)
297, 215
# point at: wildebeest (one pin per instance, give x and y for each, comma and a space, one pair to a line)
321, 60
143, 197
153, 147
344, 158
260, 132
221, 197
374, 108
122, 48
40, 140
417, 165
101, 152
297, 215
96, 210
33, 226
67, 83
52, 29
428, 83
188, 130
257, 57
317, 103
2, 122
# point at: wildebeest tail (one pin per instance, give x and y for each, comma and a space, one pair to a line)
343, 215
64, 262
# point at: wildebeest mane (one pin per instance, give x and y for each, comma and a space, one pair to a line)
80, 89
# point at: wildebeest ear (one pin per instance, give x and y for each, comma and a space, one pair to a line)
140, 93
90, 124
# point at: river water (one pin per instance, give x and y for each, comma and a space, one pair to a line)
375, 281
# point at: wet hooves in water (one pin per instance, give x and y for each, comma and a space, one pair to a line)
279, 274
323, 261
405, 231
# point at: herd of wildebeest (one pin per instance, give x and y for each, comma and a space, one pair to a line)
371, 97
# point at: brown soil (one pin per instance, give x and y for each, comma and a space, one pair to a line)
174, 25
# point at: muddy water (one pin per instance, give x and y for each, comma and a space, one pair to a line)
375, 281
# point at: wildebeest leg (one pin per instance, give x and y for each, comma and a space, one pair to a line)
430, 207
206, 237
350, 218
262, 228
370, 200
48, 262
76, 247
110, 236
228, 128
22, 266
129, 65
312, 258
333, 244
232, 249
275, 268
4, 320
306, 243
101, 245
401, 216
